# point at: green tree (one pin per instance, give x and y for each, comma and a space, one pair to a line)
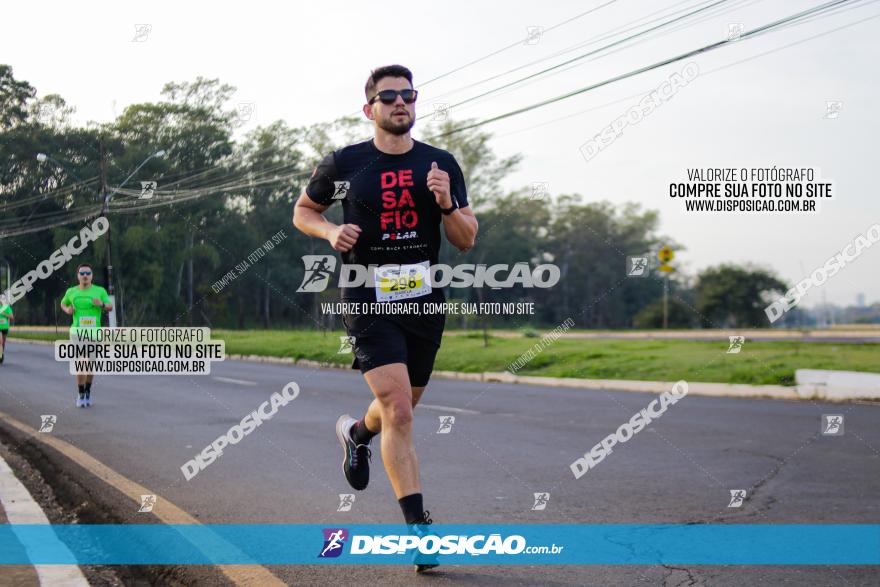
729, 296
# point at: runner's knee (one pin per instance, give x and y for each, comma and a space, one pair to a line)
397, 411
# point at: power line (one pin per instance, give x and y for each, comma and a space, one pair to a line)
702, 74
706, 48
592, 40
512, 45
630, 44
589, 53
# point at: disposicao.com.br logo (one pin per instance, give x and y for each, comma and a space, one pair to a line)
431, 544
76, 245
319, 269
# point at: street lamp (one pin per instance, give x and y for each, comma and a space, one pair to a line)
42, 158
157, 154
104, 209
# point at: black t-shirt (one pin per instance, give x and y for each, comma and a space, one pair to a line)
387, 196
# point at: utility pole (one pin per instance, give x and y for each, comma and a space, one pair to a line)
109, 268
665, 255
105, 209
665, 301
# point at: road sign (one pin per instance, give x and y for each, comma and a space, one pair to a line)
665, 255
666, 268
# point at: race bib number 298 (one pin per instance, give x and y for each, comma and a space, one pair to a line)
402, 282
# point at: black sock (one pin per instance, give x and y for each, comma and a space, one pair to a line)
82, 391
89, 389
361, 434
412, 507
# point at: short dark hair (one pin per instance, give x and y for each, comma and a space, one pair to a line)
81, 265
385, 71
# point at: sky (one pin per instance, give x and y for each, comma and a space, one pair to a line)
757, 102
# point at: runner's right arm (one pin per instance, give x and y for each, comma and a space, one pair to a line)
317, 197
66, 305
308, 217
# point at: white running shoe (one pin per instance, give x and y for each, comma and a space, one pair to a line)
356, 457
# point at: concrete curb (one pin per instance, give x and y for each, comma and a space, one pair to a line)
22, 509
30, 341
807, 391
741, 390
694, 387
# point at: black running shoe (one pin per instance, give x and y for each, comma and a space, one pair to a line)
356, 462
424, 562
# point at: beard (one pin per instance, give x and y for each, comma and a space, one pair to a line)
396, 128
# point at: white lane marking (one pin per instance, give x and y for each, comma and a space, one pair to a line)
165, 510
235, 381
21, 508
447, 409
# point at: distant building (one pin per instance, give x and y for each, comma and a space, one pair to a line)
860, 300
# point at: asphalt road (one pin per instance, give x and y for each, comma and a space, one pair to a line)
507, 442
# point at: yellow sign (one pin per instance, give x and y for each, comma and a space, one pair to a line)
665, 255
666, 268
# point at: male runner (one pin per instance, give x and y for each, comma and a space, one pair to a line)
85, 302
5, 322
395, 193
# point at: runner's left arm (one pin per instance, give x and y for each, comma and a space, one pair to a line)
449, 188
105, 299
461, 228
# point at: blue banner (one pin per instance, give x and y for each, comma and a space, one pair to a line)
529, 544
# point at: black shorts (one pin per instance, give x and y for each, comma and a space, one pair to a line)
385, 339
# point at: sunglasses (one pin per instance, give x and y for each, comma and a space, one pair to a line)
390, 96
85, 272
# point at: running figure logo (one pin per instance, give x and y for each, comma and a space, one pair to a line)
346, 344
346, 500
141, 32
737, 497
636, 266
318, 268
735, 30
147, 189
832, 109
147, 503
541, 500
334, 541
533, 35
245, 111
832, 424
736, 343
446, 423
441, 111
47, 423
342, 188
540, 189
